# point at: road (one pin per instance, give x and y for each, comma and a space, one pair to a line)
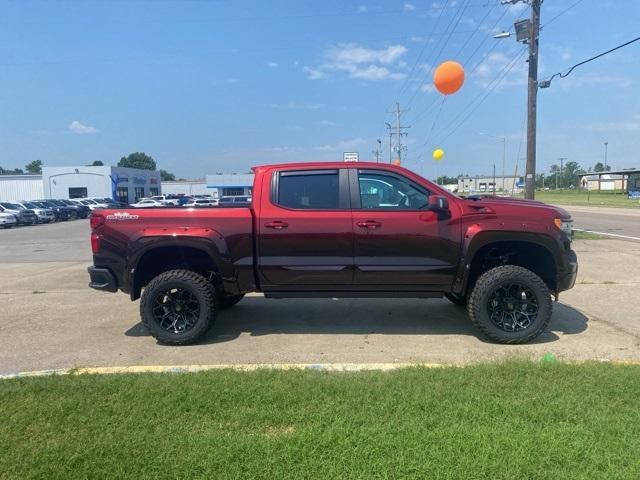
616, 221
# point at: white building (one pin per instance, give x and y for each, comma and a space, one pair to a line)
21, 187
188, 187
122, 184
479, 184
230, 184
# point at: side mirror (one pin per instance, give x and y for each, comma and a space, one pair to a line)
438, 203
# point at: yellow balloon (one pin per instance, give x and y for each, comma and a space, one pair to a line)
438, 154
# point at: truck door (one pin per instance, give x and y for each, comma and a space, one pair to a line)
305, 237
399, 244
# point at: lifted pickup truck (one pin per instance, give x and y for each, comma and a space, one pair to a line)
339, 230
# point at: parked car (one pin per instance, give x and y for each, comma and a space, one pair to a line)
149, 203
202, 202
235, 201
62, 213
340, 230
82, 211
168, 199
89, 202
45, 215
24, 216
115, 204
7, 220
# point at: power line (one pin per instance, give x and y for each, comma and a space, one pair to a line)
424, 47
562, 13
435, 58
468, 59
547, 83
496, 82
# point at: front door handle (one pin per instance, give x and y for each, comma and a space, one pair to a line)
369, 224
277, 224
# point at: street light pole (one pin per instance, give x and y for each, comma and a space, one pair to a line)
606, 144
504, 156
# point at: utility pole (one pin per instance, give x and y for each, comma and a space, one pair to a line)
527, 31
606, 145
399, 148
562, 159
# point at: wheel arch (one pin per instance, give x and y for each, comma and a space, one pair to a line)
161, 254
536, 252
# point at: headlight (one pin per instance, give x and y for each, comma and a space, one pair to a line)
565, 225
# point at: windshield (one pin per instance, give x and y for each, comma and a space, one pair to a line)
11, 206
30, 205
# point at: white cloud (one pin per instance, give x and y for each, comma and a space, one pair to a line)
363, 9
409, 7
80, 129
272, 65
327, 123
231, 81
359, 62
314, 73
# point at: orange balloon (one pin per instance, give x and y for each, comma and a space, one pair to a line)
396, 161
448, 77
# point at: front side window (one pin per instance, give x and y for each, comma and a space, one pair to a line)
308, 190
381, 191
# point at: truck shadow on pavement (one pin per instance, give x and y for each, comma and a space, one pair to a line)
258, 316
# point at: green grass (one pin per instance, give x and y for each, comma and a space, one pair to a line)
512, 420
581, 197
578, 235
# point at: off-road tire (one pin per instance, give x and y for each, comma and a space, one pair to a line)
456, 299
191, 281
488, 283
228, 301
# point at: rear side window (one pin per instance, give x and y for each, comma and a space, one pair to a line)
308, 190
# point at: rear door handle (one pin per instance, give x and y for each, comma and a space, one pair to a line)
277, 224
369, 224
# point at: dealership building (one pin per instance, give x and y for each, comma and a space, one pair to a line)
120, 183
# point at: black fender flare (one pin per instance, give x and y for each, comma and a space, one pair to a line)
473, 242
212, 246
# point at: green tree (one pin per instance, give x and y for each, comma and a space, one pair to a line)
166, 176
15, 171
567, 176
138, 160
34, 167
445, 180
96, 163
599, 167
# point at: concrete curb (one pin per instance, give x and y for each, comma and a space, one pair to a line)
251, 367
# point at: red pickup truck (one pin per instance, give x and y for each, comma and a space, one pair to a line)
339, 230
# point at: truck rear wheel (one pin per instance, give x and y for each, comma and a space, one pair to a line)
510, 304
178, 307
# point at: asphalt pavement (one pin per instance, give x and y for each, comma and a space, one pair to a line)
617, 222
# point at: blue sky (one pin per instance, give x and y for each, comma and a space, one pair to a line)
218, 86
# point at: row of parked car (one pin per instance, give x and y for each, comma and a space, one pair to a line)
192, 201
31, 212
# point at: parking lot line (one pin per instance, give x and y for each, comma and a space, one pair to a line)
607, 234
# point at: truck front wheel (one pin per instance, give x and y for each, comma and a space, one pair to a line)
510, 304
178, 307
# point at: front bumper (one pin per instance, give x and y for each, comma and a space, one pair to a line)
102, 279
8, 221
567, 277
